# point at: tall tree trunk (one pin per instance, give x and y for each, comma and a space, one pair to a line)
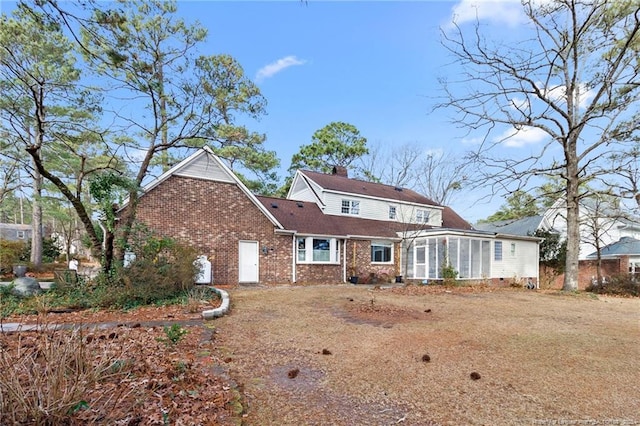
36, 220
573, 225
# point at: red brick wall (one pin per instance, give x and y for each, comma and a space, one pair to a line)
318, 274
587, 269
360, 251
213, 217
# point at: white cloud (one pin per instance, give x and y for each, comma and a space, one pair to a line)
472, 141
273, 68
517, 138
559, 94
499, 12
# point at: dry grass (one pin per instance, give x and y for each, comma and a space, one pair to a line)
499, 357
49, 374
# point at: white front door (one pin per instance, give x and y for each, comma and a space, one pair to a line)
248, 254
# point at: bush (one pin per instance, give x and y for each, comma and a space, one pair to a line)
12, 252
620, 285
162, 270
50, 251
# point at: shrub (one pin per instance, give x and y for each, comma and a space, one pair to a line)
449, 274
163, 269
12, 252
198, 296
619, 285
50, 251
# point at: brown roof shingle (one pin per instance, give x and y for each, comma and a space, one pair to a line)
344, 184
307, 218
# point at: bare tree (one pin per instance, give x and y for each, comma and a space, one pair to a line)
627, 168
602, 215
440, 176
573, 85
432, 172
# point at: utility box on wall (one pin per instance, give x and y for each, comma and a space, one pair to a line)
204, 275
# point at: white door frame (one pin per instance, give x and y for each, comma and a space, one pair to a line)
248, 261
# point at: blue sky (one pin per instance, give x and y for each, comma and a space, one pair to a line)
372, 64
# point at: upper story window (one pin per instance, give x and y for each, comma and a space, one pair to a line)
351, 207
422, 216
392, 212
497, 250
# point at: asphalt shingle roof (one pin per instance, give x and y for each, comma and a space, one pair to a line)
624, 246
372, 189
524, 227
307, 218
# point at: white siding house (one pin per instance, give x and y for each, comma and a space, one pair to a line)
473, 255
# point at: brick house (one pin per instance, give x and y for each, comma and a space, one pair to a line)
329, 228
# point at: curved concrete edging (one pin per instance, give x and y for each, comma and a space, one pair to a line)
222, 309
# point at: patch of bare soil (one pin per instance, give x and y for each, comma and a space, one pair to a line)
431, 356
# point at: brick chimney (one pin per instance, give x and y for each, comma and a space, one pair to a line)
340, 171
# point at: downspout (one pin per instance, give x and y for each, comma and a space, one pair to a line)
293, 259
344, 260
538, 267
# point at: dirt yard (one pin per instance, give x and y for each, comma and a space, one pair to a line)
353, 355
350, 355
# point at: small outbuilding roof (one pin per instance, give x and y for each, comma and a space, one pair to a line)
525, 226
625, 246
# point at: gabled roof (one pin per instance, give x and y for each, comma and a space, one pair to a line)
623, 247
204, 164
339, 183
524, 227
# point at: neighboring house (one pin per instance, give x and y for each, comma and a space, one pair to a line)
15, 232
328, 229
600, 224
626, 251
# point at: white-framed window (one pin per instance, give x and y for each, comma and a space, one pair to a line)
422, 216
381, 252
20, 235
392, 212
351, 207
513, 249
497, 250
317, 250
302, 250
